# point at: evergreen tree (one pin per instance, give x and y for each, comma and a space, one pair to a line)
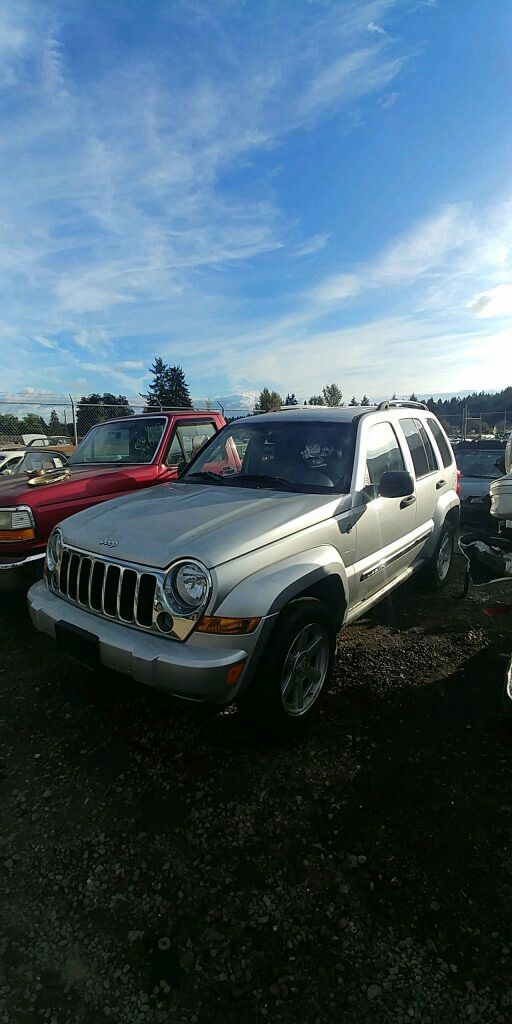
353, 400
332, 395
412, 398
291, 400
365, 400
169, 388
316, 400
158, 391
178, 395
268, 401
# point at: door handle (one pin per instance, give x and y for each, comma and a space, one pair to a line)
407, 501
439, 484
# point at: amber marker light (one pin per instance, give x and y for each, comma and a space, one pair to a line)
11, 535
226, 627
233, 674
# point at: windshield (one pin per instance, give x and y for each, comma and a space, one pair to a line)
479, 464
33, 462
132, 442
312, 457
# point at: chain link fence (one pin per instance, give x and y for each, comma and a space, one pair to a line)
466, 425
68, 420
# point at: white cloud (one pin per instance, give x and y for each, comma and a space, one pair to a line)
495, 302
312, 245
373, 27
421, 251
347, 78
388, 101
44, 342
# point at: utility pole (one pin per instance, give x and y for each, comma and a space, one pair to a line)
74, 419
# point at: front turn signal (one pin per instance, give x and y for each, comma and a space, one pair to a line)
10, 535
227, 627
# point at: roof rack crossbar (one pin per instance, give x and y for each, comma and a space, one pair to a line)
394, 403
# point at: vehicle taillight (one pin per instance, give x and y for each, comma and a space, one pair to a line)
459, 474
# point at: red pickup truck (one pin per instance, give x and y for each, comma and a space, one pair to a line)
115, 457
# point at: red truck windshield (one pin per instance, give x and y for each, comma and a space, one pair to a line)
133, 442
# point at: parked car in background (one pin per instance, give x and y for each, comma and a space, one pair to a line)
477, 464
29, 461
115, 457
233, 583
59, 442
9, 459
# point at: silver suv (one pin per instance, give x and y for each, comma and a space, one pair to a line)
232, 584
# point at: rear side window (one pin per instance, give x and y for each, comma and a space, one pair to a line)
421, 450
383, 454
444, 448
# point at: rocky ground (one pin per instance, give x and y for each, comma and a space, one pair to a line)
161, 865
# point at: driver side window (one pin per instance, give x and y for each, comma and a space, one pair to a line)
383, 453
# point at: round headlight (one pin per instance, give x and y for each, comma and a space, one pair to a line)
187, 587
54, 550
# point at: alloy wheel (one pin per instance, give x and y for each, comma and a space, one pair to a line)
305, 669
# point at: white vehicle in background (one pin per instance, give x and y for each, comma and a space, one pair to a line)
9, 459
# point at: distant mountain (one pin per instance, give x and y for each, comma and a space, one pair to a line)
444, 396
236, 403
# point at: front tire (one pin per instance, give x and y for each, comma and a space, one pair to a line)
294, 673
437, 572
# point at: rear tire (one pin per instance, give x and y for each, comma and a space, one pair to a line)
437, 573
294, 673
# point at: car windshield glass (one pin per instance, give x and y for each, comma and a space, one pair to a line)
479, 464
314, 457
34, 462
130, 441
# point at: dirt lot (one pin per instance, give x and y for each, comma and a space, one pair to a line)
158, 864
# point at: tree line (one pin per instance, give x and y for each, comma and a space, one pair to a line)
169, 390
331, 396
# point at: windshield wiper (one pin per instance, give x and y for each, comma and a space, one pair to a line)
206, 475
278, 483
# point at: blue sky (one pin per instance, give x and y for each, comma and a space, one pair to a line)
276, 193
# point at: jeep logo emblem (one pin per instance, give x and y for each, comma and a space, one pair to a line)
107, 542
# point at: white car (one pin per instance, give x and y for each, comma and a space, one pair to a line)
9, 459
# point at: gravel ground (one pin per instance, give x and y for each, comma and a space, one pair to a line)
159, 864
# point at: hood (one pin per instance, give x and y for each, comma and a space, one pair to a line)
214, 524
83, 481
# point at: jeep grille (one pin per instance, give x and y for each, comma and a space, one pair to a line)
107, 588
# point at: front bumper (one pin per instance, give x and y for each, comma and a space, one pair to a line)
20, 573
196, 669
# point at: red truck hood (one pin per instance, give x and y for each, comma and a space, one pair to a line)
83, 481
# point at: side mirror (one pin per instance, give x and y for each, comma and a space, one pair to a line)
500, 464
396, 484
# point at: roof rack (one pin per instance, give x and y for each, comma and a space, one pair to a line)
394, 403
